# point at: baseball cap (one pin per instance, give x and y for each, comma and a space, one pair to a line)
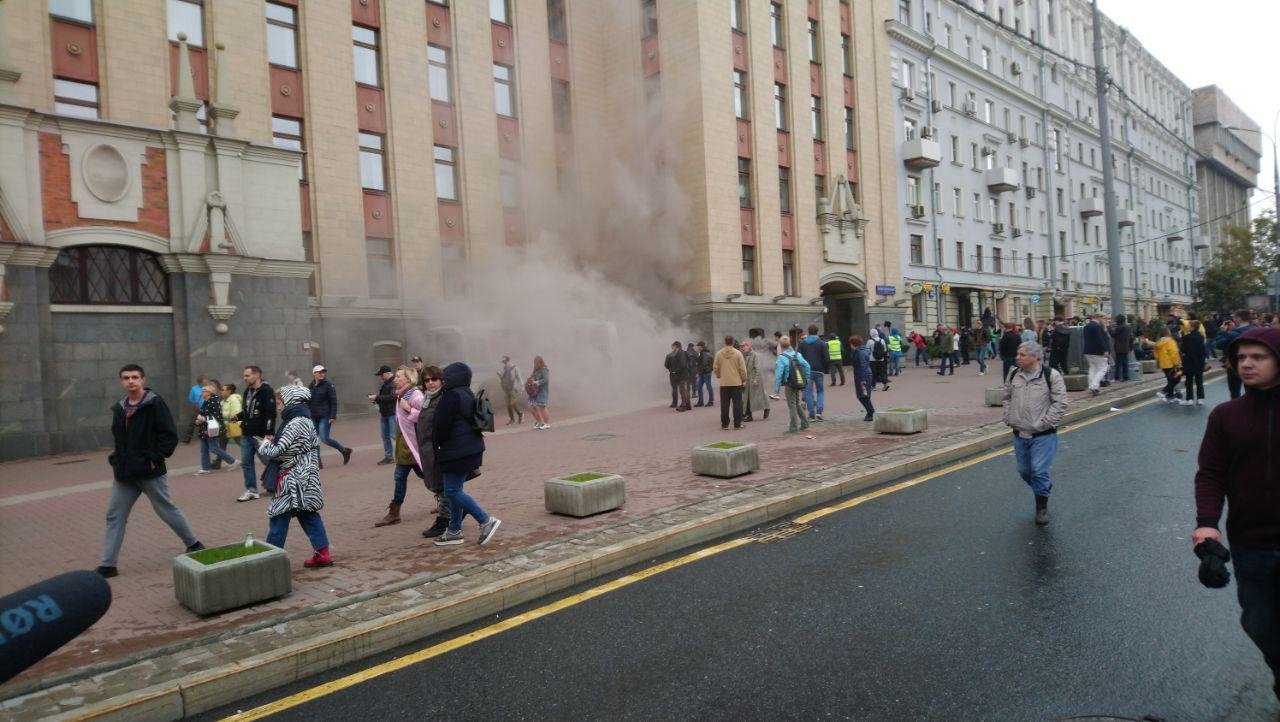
317, 369
383, 369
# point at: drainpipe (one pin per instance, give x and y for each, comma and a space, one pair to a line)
1047, 129
933, 211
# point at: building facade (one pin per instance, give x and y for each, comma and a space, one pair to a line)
1001, 197
196, 186
1230, 147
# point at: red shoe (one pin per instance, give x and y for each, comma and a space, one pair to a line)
320, 559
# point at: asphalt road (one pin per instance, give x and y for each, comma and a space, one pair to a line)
939, 601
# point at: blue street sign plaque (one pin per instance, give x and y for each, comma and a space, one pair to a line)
886, 290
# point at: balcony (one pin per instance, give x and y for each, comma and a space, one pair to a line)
921, 153
1000, 180
1126, 218
1090, 207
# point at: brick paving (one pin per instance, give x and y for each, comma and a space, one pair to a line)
51, 516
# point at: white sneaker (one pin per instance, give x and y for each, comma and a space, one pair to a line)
546, 426
202, 472
982, 373
1199, 402
1186, 402
248, 495
1161, 396
230, 464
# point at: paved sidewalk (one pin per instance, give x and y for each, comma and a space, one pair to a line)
51, 514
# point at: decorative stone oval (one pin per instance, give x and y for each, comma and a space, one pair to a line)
449, 222
502, 43
444, 123
368, 107
105, 173
435, 22
73, 48
286, 91
377, 213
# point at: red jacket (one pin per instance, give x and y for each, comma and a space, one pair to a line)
1240, 461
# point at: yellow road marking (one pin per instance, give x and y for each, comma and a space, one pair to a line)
450, 645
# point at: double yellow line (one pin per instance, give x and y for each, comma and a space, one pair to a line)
497, 628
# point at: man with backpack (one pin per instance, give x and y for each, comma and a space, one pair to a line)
814, 350
879, 360
792, 370
945, 344
705, 362
1035, 400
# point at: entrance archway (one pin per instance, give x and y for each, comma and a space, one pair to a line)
844, 296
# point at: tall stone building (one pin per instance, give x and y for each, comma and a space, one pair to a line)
1230, 147
1001, 200
196, 185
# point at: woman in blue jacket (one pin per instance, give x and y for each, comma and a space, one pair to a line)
459, 450
863, 381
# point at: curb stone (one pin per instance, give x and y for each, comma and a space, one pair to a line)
200, 675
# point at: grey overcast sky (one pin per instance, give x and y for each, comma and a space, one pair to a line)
1234, 44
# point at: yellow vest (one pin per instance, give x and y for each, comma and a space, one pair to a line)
833, 349
895, 343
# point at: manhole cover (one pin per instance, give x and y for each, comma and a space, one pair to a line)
599, 437
778, 532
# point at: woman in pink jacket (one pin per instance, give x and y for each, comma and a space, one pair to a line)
408, 405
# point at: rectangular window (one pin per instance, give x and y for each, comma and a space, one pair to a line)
373, 165
282, 35
509, 182
957, 204
439, 79
75, 98
749, 270
784, 189
380, 257
997, 260
737, 18
446, 173
908, 74
744, 182
960, 255
500, 11
777, 27
365, 53
187, 16
846, 55
955, 149
977, 258
649, 17
287, 133
917, 249
79, 10
1031, 266
561, 108
977, 206
913, 190
848, 128
557, 30
741, 98
904, 12
815, 114
988, 111
815, 42
789, 273
780, 106
973, 155
952, 98
819, 189
908, 129
504, 90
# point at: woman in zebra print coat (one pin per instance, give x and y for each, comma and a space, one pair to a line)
296, 449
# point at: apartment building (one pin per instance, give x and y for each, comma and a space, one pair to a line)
1230, 147
198, 185
1001, 197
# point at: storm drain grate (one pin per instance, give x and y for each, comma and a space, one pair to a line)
778, 532
599, 437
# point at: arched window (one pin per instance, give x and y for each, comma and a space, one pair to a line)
107, 275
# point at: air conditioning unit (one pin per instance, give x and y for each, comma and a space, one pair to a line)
936, 106
1022, 141
1079, 286
917, 211
970, 108
908, 93
1031, 192
1018, 2
987, 151
1011, 136
1016, 69
997, 228
1017, 232
926, 132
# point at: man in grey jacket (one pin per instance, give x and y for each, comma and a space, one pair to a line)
1035, 400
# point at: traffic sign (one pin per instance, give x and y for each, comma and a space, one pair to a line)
1035, 298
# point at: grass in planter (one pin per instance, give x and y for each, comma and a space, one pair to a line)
222, 554
587, 476
725, 445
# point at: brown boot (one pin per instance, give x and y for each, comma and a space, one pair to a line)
392, 517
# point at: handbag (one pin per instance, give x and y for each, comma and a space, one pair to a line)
233, 430
212, 429
531, 387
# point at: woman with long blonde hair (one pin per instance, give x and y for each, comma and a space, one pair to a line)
539, 387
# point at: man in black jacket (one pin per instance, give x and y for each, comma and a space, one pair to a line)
257, 419
324, 409
677, 366
145, 436
1094, 342
1059, 345
1122, 343
705, 361
386, 401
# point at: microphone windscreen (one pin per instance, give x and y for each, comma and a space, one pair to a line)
37, 620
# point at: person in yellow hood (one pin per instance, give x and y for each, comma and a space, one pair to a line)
1169, 359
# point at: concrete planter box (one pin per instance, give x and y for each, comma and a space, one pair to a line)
583, 494
1150, 367
994, 397
1076, 382
726, 459
211, 588
902, 421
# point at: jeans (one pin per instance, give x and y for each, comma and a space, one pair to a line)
731, 395
704, 379
1122, 366
401, 475
922, 354
1097, 370
815, 394
311, 523
1009, 362
982, 359
1170, 389
460, 503
387, 425
1196, 378
797, 419
123, 496
1257, 574
866, 404
947, 361
675, 392
208, 445
1034, 456
895, 363
322, 429
248, 450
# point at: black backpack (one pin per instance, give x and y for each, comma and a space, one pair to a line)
482, 414
796, 378
877, 350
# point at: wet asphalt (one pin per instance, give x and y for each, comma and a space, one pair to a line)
940, 601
